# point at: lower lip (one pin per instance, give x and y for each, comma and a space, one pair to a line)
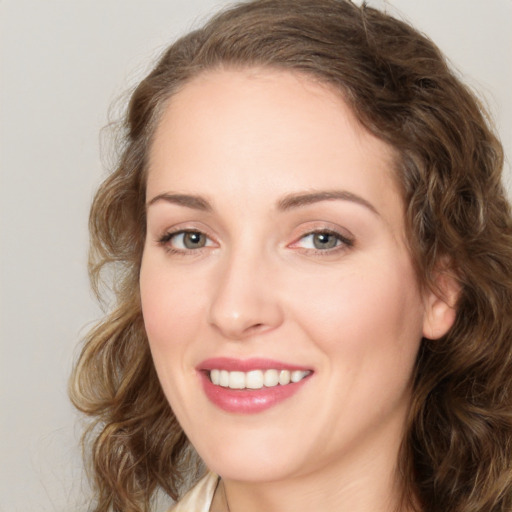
248, 401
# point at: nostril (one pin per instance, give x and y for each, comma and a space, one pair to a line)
238, 310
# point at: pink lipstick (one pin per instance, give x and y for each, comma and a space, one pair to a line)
251, 385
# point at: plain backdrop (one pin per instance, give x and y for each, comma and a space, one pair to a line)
63, 63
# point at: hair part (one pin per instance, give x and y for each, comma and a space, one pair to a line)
457, 452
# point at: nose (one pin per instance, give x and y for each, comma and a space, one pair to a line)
245, 299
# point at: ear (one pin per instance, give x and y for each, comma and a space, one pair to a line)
440, 305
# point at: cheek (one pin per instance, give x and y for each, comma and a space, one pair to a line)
155, 310
366, 319
170, 315
167, 310
368, 328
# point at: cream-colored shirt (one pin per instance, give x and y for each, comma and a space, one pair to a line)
199, 498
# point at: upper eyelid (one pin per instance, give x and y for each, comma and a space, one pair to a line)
180, 227
307, 229
345, 240
164, 241
344, 234
169, 233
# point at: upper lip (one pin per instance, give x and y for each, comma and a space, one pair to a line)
247, 365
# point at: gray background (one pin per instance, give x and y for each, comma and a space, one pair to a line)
63, 63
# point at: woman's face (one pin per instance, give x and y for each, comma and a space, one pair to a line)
276, 253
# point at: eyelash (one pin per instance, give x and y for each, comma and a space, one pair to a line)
165, 240
342, 242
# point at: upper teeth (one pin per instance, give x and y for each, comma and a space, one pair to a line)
255, 379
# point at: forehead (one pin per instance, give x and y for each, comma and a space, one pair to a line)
259, 130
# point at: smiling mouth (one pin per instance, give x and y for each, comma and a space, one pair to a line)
256, 379
250, 386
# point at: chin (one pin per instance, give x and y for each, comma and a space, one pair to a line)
258, 460
244, 469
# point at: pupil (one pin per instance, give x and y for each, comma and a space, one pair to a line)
194, 240
324, 241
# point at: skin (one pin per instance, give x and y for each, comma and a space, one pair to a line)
246, 141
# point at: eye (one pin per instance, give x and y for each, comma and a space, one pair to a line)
323, 241
186, 240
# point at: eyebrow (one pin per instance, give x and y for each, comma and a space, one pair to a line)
304, 199
288, 202
189, 201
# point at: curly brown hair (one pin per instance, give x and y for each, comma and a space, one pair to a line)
457, 454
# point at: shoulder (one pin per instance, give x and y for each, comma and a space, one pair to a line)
200, 497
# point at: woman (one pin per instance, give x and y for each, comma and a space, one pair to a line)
312, 264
